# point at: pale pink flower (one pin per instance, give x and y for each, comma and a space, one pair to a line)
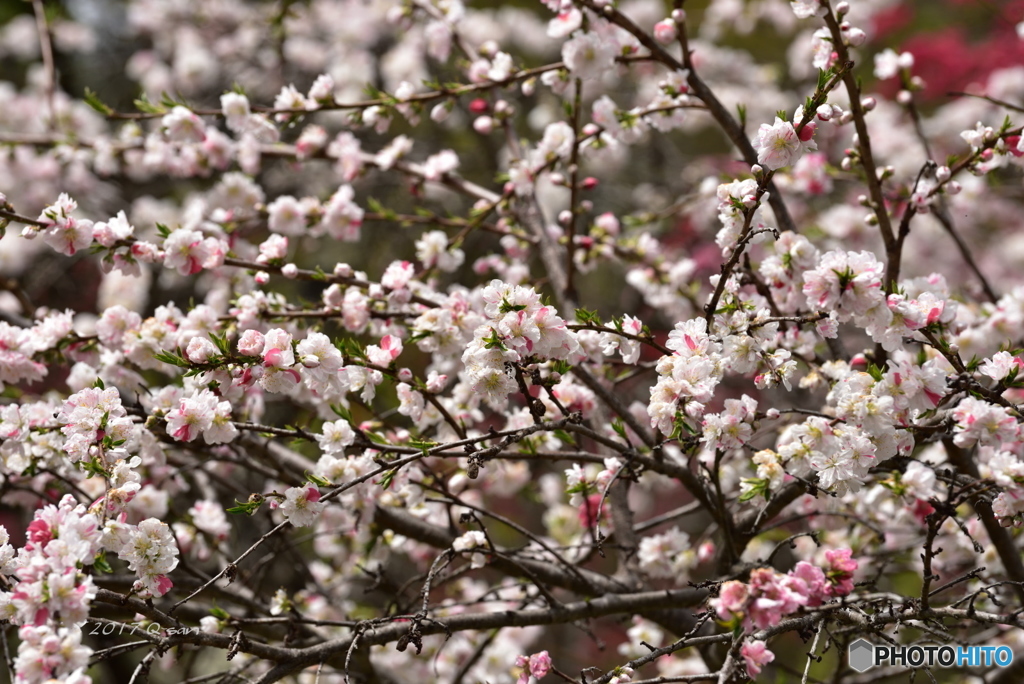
301, 506
756, 655
777, 144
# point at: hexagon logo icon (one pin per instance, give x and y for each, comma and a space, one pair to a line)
862, 655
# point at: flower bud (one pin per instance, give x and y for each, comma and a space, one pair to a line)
868, 103
665, 31
483, 125
404, 374
439, 113
855, 37
290, 271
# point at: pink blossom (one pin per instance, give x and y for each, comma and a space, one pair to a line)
665, 31
777, 144
756, 655
251, 343
839, 570
537, 666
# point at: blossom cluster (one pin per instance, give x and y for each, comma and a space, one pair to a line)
308, 349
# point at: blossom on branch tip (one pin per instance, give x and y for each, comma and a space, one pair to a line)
301, 506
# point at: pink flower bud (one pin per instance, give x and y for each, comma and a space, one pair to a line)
483, 125
290, 271
807, 132
261, 277
251, 343
855, 37
200, 350
436, 382
439, 113
665, 31
404, 374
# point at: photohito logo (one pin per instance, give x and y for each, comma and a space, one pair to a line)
865, 655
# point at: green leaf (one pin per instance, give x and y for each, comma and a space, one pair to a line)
93, 100
101, 564
758, 487
563, 436
143, 104
875, 372
374, 437
248, 507
317, 480
385, 482
586, 316
342, 412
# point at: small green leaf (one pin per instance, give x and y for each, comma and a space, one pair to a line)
143, 104
248, 507
101, 564
93, 100
317, 480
